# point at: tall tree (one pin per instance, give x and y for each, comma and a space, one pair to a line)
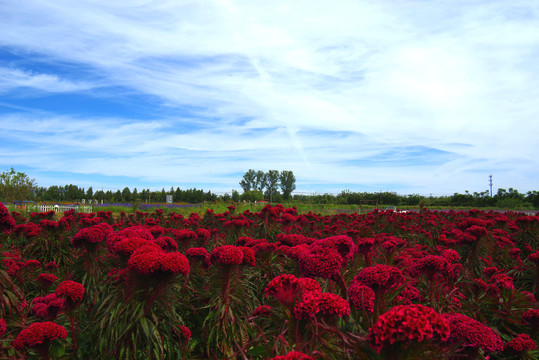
126, 194
260, 181
90, 193
249, 180
272, 184
288, 183
16, 186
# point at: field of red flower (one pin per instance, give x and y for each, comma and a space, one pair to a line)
272, 284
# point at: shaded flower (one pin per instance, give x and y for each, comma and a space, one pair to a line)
46, 279
521, 343
361, 296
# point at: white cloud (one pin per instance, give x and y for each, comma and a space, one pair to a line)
265, 77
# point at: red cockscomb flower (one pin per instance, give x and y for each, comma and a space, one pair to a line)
71, 291
293, 355
405, 323
185, 333
471, 333
521, 343
6, 220
92, 235
47, 307
286, 288
39, 334
361, 296
167, 243
380, 277
46, 279
531, 317
263, 311
149, 260
320, 261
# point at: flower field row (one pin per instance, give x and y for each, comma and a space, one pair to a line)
272, 284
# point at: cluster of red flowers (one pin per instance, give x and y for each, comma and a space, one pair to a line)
6, 220
38, 334
3, 327
379, 277
185, 333
233, 255
293, 355
468, 332
408, 323
70, 290
92, 235
521, 343
47, 307
149, 260
47, 279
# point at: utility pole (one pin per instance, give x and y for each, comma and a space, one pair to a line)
490, 183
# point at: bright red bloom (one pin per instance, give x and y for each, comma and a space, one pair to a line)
40, 333
47, 279
167, 243
333, 304
126, 246
287, 288
320, 261
185, 333
471, 333
293, 355
148, 260
233, 255
47, 307
70, 290
6, 220
308, 306
184, 235
430, 265
521, 343
133, 231
92, 235
405, 323
382, 277
361, 296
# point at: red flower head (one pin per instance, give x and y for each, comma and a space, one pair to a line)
6, 220
430, 265
167, 244
133, 231
3, 327
126, 246
92, 235
333, 304
380, 277
203, 234
47, 279
361, 296
531, 317
523, 342
149, 260
293, 355
185, 333
39, 334
71, 291
405, 323
471, 333
263, 311
320, 261
232, 255
287, 288
47, 307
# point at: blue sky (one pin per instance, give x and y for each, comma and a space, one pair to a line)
427, 97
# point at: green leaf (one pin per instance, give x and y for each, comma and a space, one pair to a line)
57, 350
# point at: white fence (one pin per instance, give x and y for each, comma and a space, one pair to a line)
60, 208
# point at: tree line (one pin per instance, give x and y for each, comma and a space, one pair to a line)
258, 185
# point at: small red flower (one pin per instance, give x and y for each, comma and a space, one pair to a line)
263, 311
471, 333
185, 333
3, 327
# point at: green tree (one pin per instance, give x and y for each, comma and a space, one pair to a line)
235, 195
90, 193
272, 184
16, 186
288, 183
248, 182
252, 195
126, 194
260, 181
